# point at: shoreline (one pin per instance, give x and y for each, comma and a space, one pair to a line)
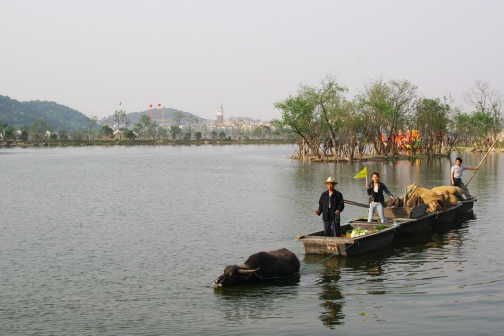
228, 142
396, 157
157, 142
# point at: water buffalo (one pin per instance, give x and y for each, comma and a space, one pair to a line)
268, 265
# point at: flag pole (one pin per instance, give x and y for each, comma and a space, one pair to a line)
362, 173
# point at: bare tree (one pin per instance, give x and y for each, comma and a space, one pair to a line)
177, 117
488, 103
120, 117
91, 123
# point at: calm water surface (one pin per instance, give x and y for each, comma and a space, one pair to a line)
127, 241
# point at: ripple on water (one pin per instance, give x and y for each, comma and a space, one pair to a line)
125, 241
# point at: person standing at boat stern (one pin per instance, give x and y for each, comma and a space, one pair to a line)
456, 176
375, 191
330, 205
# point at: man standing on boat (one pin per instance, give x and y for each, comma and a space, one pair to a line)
456, 176
330, 205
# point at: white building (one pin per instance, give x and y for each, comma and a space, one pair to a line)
220, 114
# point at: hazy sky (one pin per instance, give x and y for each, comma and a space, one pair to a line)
193, 55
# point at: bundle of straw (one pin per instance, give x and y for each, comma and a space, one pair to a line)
416, 195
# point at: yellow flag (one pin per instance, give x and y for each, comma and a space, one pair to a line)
363, 173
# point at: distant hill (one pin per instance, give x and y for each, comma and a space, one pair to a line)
18, 114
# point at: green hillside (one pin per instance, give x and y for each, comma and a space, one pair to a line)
18, 114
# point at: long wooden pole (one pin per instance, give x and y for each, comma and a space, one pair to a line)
484, 157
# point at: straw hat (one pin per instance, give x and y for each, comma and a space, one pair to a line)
331, 180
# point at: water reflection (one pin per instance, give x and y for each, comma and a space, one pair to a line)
371, 263
455, 224
450, 233
331, 297
378, 273
256, 301
364, 269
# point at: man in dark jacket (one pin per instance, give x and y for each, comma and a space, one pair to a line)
330, 206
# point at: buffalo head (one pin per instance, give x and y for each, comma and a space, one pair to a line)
234, 275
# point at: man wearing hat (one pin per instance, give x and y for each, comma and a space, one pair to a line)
330, 206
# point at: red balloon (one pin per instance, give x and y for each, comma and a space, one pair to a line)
158, 104
150, 105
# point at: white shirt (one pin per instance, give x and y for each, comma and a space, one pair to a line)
457, 171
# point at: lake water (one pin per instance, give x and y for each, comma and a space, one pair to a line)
127, 241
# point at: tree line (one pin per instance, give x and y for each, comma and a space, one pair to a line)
329, 125
41, 120
184, 127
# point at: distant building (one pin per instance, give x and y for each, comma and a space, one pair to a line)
220, 114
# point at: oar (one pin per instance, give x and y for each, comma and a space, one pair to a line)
295, 200
496, 139
356, 204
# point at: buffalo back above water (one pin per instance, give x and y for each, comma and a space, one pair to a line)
260, 266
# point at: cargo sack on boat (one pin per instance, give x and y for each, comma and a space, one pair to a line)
453, 198
451, 190
453, 194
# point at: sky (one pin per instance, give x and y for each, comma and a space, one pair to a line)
193, 55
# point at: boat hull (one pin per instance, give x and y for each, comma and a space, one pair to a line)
408, 226
317, 243
452, 212
411, 226
467, 205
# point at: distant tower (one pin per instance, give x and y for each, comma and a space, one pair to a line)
220, 114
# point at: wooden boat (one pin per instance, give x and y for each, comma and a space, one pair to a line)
467, 205
447, 215
452, 212
405, 212
408, 226
410, 220
317, 243
418, 220
414, 220
404, 226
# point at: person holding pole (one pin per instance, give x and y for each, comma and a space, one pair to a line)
330, 205
456, 176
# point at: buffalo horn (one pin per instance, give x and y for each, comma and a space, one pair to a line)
247, 271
